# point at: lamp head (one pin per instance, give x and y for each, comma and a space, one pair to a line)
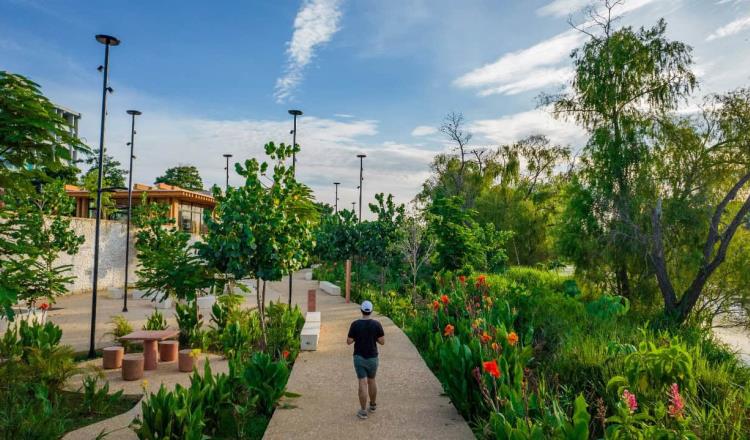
337, 183
108, 40
361, 155
295, 112
227, 156
133, 112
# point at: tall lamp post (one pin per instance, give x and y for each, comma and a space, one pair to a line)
294, 113
133, 114
227, 156
107, 41
336, 200
354, 206
361, 158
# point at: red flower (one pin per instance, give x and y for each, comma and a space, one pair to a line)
445, 299
481, 281
492, 368
462, 278
435, 306
486, 338
44, 306
448, 330
285, 354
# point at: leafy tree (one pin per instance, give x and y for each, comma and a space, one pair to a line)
184, 176
260, 230
380, 237
34, 230
337, 237
458, 236
35, 142
707, 170
167, 262
114, 176
624, 81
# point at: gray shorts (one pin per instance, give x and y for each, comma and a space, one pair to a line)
365, 367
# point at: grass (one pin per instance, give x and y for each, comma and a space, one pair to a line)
79, 419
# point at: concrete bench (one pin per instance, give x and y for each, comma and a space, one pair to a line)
330, 288
310, 332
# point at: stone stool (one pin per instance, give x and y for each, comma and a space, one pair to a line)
168, 351
186, 360
132, 366
112, 357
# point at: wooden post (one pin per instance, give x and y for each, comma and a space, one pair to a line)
348, 278
311, 303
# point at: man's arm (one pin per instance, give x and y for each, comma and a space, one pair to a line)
350, 335
381, 340
381, 334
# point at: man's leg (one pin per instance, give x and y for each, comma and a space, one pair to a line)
363, 386
372, 388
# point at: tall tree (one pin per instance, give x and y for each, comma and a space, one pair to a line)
624, 81
35, 141
114, 176
184, 176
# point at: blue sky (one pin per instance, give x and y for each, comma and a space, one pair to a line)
371, 76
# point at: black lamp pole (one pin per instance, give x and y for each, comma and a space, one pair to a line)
133, 114
361, 158
336, 201
226, 188
294, 113
107, 41
354, 204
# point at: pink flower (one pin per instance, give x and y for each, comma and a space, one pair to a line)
676, 405
630, 400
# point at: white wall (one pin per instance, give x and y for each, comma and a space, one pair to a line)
111, 256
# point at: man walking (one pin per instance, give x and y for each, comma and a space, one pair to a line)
364, 333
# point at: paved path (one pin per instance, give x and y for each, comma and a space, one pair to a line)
410, 400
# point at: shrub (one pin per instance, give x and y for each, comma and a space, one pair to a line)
155, 321
264, 378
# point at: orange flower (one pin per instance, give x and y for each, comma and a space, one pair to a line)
285, 354
435, 306
486, 338
445, 299
462, 278
492, 368
44, 306
448, 330
512, 338
496, 346
481, 281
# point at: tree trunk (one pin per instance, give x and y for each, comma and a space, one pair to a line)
262, 313
382, 281
623, 282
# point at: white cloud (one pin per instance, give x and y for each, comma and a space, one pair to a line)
508, 129
526, 69
315, 24
732, 28
423, 130
562, 8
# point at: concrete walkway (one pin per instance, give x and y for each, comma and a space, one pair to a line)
411, 404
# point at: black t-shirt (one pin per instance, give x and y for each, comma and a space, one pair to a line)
365, 333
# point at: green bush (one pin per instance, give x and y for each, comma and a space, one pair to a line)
155, 321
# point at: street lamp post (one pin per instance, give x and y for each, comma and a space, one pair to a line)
294, 113
226, 188
133, 114
107, 41
361, 158
336, 201
354, 207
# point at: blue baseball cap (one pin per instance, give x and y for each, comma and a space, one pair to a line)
366, 306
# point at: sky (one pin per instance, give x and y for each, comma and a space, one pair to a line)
371, 76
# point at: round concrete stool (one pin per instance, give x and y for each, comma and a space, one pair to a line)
185, 363
112, 357
168, 351
132, 366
